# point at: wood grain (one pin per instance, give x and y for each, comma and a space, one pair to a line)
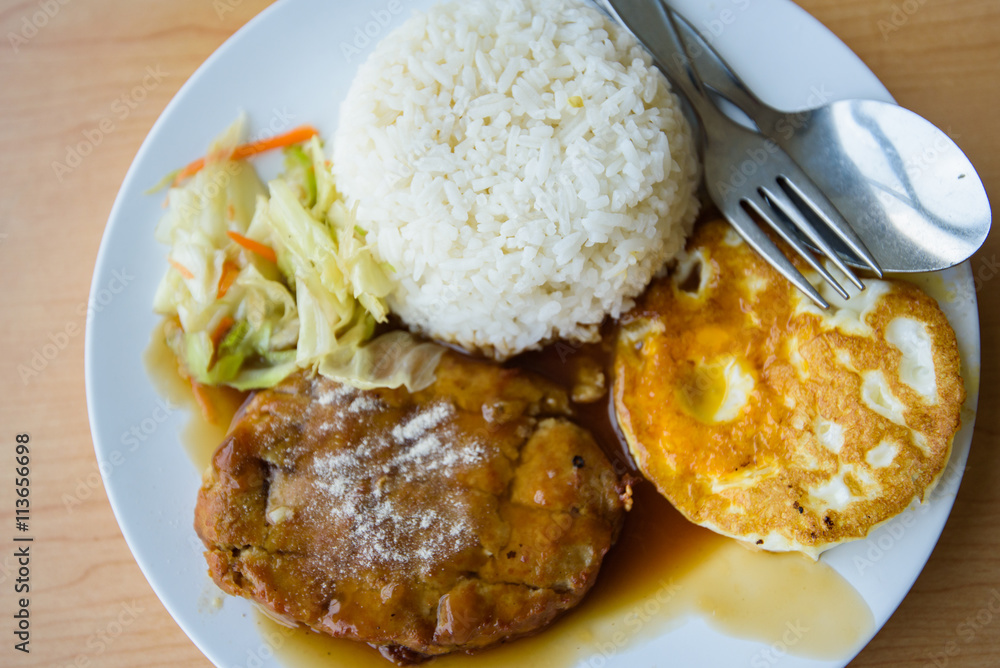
90, 603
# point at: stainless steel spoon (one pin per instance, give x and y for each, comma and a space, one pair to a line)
909, 191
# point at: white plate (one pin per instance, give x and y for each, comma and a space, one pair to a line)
292, 65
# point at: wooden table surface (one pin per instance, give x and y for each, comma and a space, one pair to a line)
63, 65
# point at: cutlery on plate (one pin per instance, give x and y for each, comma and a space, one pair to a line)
744, 171
910, 191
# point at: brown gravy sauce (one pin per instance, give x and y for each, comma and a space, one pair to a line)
662, 571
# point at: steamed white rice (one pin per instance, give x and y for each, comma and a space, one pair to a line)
522, 167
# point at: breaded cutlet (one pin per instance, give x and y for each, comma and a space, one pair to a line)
460, 516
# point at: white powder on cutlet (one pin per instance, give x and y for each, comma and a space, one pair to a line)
362, 487
365, 403
426, 419
333, 395
426, 448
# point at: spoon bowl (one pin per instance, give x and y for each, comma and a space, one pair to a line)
909, 191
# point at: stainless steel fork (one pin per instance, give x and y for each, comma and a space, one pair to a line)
901, 182
744, 171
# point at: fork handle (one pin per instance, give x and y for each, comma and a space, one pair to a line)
717, 75
650, 22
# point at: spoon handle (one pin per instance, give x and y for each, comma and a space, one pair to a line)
722, 81
649, 22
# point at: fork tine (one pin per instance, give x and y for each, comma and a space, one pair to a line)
778, 225
783, 203
808, 193
812, 197
760, 242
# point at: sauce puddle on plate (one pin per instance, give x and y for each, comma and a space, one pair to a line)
200, 436
662, 572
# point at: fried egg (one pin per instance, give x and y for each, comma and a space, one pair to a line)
767, 419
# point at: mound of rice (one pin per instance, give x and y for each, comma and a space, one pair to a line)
521, 165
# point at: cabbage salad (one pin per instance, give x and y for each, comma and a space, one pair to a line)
266, 280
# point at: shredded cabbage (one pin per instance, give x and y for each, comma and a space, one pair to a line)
316, 306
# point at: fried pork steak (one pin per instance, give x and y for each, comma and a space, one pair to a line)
448, 519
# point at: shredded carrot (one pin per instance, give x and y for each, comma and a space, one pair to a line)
204, 401
189, 171
296, 136
230, 270
231, 212
257, 247
221, 330
185, 272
